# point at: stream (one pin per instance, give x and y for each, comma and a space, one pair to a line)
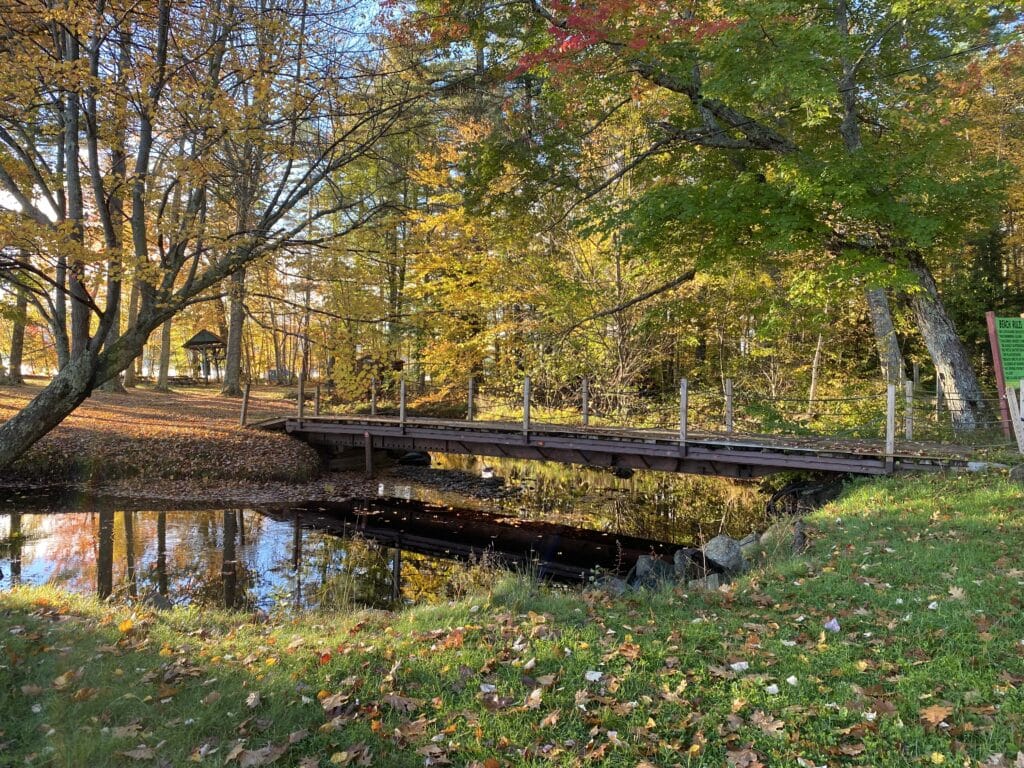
429, 534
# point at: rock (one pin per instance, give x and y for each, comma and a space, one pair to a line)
415, 459
710, 582
650, 572
688, 564
612, 585
725, 552
1017, 473
623, 472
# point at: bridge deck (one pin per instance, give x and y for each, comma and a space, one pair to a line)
705, 453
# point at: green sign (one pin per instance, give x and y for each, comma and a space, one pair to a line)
1010, 332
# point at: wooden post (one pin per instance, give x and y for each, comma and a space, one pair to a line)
890, 427
908, 416
373, 396
368, 452
585, 398
526, 408
302, 395
401, 403
684, 409
245, 404
316, 401
997, 364
469, 402
728, 406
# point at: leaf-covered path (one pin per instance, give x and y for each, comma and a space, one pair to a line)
188, 435
897, 640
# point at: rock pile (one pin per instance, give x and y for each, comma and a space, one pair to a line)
721, 558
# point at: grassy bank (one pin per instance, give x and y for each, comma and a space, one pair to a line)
923, 578
190, 434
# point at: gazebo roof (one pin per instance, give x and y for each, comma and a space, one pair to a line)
204, 339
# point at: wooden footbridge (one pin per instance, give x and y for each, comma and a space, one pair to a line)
703, 452
697, 453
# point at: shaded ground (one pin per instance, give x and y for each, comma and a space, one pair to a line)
181, 436
896, 640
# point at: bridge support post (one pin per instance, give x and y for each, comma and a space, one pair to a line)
368, 451
908, 416
684, 413
585, 401
373, 396
472, 395
316, 401
302, 395
890, 428
401, 404
728, 407
526, 409
245, 404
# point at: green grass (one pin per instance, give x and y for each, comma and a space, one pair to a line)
79, 688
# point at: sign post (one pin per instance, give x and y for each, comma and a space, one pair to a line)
1006, 336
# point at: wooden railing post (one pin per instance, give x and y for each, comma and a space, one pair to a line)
469, 403
526, 408
316, 401
585, 401
890, 427
728, 406
908, 416
245, 404
373, 396
684, 412
302, 395
401, 404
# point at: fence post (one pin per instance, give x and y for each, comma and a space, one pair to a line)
469, 404
316, 401
684, 412
302, 395
373, 396
245, 404
401, 404
908, 417
890, 427
728, 406
585, 397
526, 409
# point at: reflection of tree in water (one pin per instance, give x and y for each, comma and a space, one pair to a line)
657, 505
338, 572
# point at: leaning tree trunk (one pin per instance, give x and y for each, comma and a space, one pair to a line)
233, 358
14, 375
889, 354
952, 364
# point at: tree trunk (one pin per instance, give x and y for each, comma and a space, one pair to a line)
130, 373
952, 364
233, 359
888, 343
812, 393
114, 384
18, 337
165, 358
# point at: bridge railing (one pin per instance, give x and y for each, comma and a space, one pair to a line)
910, 420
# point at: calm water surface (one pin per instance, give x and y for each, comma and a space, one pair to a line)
413, 543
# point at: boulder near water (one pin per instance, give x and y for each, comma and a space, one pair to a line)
726, 553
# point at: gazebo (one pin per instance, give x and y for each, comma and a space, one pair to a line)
204, 349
